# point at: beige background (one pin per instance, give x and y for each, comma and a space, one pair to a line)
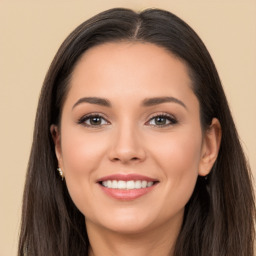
30, 33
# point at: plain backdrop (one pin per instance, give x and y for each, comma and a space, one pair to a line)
30, 34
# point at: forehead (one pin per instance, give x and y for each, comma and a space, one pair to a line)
132, 56
130, 69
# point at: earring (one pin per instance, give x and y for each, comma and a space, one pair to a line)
60, 173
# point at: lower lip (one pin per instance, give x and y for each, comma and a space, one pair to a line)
127, 194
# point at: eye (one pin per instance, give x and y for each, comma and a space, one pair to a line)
162, 120
93, 120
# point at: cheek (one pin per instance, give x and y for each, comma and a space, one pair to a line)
178, 152
81, 152
81, 157
179, 158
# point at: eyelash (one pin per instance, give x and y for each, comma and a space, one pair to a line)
169, 118
89, 117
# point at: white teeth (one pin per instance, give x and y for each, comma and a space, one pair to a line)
114, 184
144, 184
149, 184
120, 184
138, 184
130, 184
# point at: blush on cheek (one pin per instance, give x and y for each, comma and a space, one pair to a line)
78, 151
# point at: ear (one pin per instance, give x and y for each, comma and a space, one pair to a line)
210, 147
55, 132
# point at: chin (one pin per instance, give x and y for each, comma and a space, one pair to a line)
130, 222
129, 228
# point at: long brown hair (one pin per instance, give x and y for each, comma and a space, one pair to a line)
219, 217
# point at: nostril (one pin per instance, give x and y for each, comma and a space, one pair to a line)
126, 155
131, 159
124, 159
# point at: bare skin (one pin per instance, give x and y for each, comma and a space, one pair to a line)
112, 124
134, 244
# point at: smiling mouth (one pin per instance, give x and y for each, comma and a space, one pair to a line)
127, 185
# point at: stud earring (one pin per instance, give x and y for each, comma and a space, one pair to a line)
60, 173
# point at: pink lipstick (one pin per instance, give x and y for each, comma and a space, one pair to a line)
127, 187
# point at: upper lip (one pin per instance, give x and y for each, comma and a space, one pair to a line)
126, 177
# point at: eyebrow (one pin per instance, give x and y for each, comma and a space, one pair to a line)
93, 100
145, 103
160, 100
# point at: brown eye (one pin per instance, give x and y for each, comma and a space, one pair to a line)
93, 121
162, 120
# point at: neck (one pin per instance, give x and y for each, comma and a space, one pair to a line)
160, 241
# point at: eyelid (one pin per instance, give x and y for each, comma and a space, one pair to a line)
173, 120
82, 119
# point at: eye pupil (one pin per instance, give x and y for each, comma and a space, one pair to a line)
95, 120
160, 120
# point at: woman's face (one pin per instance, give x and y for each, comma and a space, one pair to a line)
131, 145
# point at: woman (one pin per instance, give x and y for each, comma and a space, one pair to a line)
135, 151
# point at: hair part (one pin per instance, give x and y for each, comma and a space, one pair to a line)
219, 217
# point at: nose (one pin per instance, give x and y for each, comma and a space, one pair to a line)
127, 146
